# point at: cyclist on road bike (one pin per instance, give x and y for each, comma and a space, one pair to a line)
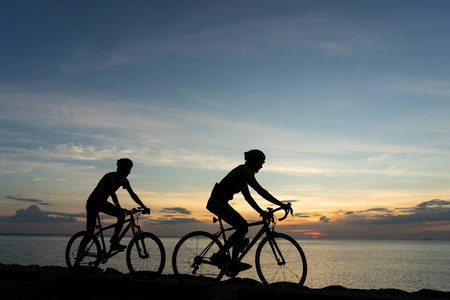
237, 181
98, 200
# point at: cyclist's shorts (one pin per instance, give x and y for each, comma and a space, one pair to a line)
223, 210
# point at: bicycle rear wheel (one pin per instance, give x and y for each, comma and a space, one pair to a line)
146, 256
280, 262
191, 258
90, 256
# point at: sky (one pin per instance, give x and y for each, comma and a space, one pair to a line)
349, 100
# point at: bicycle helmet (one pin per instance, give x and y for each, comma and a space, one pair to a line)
254, 155
125, 163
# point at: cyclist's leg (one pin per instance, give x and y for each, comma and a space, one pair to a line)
91, 219
92, 211
232, 217
112, 210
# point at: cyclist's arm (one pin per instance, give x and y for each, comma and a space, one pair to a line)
115, 199
135, 197
264, 193
251, 201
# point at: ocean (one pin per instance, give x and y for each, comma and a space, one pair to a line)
409, 265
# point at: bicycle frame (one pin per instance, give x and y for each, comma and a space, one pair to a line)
264, 229
136, 229
278, 258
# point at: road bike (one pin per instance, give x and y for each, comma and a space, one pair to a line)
279, 259
145, 254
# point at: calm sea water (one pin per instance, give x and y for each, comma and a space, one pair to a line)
361, 264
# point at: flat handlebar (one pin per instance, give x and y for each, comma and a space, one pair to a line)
144, 211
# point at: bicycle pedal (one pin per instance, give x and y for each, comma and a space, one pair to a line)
232, 274
195, 269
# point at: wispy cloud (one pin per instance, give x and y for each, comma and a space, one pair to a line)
432, 211
19, 198
432, 204
169, 138
426, 86
176, 210
236, 38
62, 111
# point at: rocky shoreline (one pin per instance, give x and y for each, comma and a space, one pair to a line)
36, 282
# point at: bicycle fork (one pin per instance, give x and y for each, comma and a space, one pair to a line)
276, 252
140, 243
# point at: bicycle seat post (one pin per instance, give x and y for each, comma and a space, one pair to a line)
220, 222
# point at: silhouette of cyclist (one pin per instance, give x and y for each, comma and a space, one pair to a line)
237, 181
98, 202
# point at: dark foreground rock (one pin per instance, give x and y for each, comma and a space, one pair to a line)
35, 282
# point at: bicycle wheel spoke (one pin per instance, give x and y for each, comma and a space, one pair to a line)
280, 261
190, 260
89, 257
146, 256
191, 249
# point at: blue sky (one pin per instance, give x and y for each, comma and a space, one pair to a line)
348, 99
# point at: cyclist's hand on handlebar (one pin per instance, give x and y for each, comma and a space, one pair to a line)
146, 211
288, 208
267, 215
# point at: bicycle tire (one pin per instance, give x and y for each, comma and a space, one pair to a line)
290, 275
151, 265
91, 256
191, 259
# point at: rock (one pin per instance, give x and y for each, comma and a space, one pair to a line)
112, 271
35, 282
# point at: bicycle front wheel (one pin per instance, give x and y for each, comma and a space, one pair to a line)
146, 256
191, 258
89, 257
280, 262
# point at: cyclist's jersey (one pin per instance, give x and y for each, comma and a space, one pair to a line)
109, 184
236, 181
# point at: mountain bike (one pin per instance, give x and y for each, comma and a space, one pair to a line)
279, 259
145, 255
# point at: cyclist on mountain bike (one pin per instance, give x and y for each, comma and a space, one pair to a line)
237, 181
97, 201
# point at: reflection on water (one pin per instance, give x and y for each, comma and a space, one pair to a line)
374, 264
363, 264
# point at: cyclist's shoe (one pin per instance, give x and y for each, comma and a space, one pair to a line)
118, 247
241, 266
115, 244
219, 259
236, 268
